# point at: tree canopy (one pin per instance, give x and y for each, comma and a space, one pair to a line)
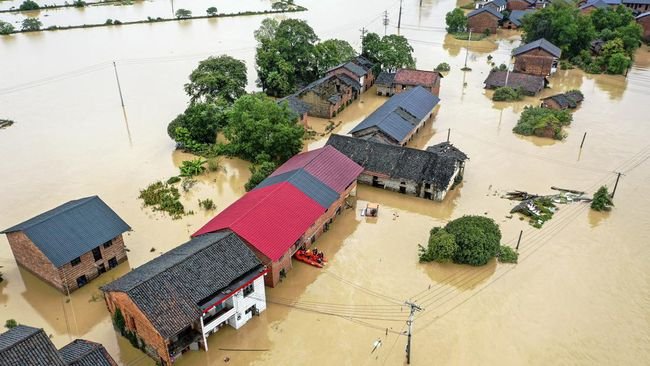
201, 120
390, 52
183, 13
543, 122
31, 24
212, 11
602, 200
6, 28
258, 125
28, 5
456, 21
333, 52
217, 77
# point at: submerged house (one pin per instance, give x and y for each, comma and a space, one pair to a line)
174, 302
516, 17
291, 208
539, 57
71, 244
399, 118
359, 69
568, 100
521, 4
427, 174
528, 84
484, 19
297, 106
390, 83
329, 95
29, 346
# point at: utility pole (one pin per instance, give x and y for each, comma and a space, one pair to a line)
119, 88
583, 139
363, 35
448, 134
521, 232
399, 20
386, 21
507, 72
173, 9
414, 307
467, 50
616, 184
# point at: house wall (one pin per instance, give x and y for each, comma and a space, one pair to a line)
480, 22
638, 8
645, 24
385, 90
434, 89
318, 107
89, 267
343, 70
550, 103
321, 107
535, 62
32, 259
517, 5
242, 303
155, 344
509, 25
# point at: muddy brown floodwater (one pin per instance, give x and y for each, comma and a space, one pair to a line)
579, 295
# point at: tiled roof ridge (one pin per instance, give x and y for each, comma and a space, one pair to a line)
34, 332
93, 347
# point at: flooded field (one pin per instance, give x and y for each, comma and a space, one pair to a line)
579, 295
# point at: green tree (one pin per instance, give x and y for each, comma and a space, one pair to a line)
217, 77
618, 63
477, 238
543, 122
29, 5
11, 323
31, 24
389, 52
6, 28
212, 11
258, 125
183, 13
507, 94
507, 255
372, 47
333, 52
202, 121
456, 21
441, 248
442, 67
259, 172
631, 35
611, 18
602, 200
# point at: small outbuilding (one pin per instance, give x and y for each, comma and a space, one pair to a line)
498, 5
539, 57
297, 106
484, 19
391, 83
70, 245
568, 100
360, 69
529, 84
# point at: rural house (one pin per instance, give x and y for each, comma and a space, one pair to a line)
29, 346
590, 6
498, 5
329, 95
637, 6
485, 19
172, 303
427, 174
644, 21
399, 118
568, 100
70, 245
529, 84
407, 79
297, 106
521, 4
291, 208
359, 69
539, 57
515, 18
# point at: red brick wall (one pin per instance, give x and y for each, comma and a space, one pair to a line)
480, 22
645, 24
31, 258
535, 62
143, 327
517, 5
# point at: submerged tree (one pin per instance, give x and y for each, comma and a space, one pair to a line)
31, 24
6, 28
202, 121
543, 122
389, 52
183, 13
28, 5
456, 21
602, 200
217, 77
212, 11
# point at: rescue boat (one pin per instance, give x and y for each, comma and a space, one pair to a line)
307, 256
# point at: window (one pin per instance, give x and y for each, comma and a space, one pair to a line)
108, 244
75, 261
427, 185
82, 281
249, 290
112, 263
97, 254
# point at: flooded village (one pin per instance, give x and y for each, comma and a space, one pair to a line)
388, 154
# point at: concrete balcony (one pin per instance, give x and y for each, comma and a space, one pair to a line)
215, 320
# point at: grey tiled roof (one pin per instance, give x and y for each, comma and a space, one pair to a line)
448, 149
385, 78
529, 84
28, 346
171, 288
363, 62
499, 3
401, 163
307, 184
485, 9
295, 104
540, 43
85, 353
516, 16
72, 229
398, 116
350, 82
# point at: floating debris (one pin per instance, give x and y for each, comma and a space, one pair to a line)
541, 208
4, 123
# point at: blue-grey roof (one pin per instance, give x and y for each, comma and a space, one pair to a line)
485, 9
385, 78
516, 16
540, 43
295, 104
642, 2
354, 84
85, 353
72, 229
171, 289
28, 346
307, 184
643, 15
499, 3
401, 113
355, 69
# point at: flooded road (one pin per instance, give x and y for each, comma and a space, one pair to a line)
580, 293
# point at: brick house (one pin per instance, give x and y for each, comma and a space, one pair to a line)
291, 208
528, 84
359, 69
328, 96
485, 18
591, 6
426, 174
297, 106
539, 57
644, 21
29, 346
520, 4
399, 118
71, 244
174, 302
515, 18
568, 100
390, 83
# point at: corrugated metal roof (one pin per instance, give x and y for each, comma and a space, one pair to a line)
28, 346
540, 43
271, 219
390, 117
72, 229
307, 184
85, 353
326, 164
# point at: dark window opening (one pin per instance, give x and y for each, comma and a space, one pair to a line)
313, 239
97, 254
427, 195
101, 269
402, 189
82, 281
427, 185
75, 261
249, 290
108, 244
112, 263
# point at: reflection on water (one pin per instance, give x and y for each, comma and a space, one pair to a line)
463, 277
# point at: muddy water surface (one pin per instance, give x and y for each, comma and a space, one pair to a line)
579, 295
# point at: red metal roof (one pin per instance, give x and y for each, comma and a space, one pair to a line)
271, 219
327, 165
416, 77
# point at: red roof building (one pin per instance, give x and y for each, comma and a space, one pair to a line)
389, 84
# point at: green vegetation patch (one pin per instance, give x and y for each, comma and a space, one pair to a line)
543, 122
507, 94
602, 200
507, 255
163, 197
442, 67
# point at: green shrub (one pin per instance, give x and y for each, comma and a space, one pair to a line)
214, 164
508, 94
259, 172
507, 254
441, 248
109, 21
79, 3
163, 197
212, 11
543, 122
207, 204
11, 323
192, 168
6, 28
502, 67
118, 321
442, 67
173, 180
602, 201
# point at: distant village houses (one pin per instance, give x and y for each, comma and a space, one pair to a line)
71, 244
637, 6
291, 208
28, 346
391, 83
521, 4
174, 302
485, 19
529, 84
498, 5
539, 57
399, 118
427, 174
